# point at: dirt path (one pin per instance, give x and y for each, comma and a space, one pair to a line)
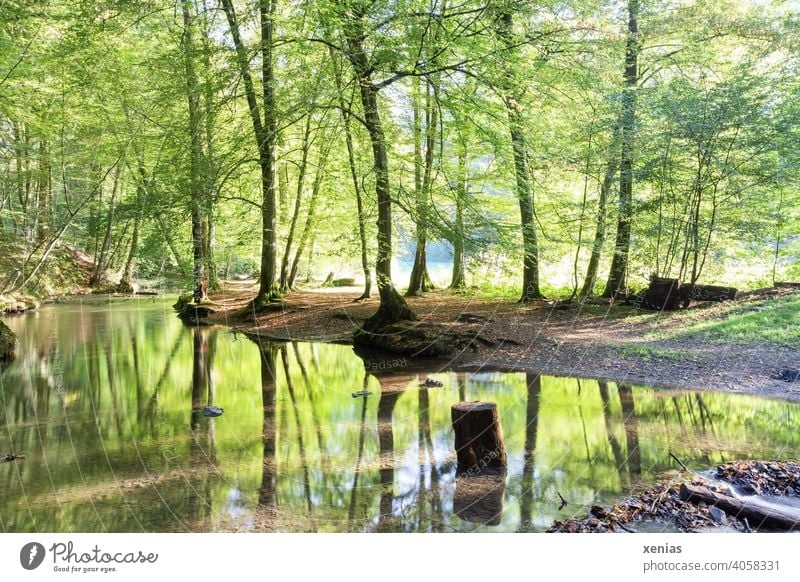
612, 343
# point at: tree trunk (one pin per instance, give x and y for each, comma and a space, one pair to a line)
362, 219
285, 285
458, 280
393, 307
511, 99
311, 215
265, 133
101, 262
600, 232
420, 280
126, 282
758, 513
196, 181
45, 192
209, 161
617, 277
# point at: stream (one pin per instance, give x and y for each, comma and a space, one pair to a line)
106, 400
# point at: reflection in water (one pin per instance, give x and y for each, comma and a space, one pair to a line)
105, 400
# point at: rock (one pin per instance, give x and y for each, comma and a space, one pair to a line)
718, 515
430, 383
213, 411
8, 343
473, 318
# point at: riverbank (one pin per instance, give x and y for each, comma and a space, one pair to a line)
744, 346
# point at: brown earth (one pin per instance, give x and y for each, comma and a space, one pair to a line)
594, 341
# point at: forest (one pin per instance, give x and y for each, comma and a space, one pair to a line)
523, 149
573, 224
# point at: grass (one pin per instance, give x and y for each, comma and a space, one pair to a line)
648, 352
772, 321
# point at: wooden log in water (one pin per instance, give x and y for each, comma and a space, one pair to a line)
759, 514
713, 293
478, 437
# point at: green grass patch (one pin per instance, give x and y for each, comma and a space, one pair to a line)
773, 321
648, 352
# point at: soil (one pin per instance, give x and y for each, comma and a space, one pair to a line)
603, 342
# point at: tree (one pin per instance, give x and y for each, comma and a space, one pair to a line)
265, 132
511, 89
617, 277
393, 307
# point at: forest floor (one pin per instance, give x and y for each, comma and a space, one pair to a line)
741, 346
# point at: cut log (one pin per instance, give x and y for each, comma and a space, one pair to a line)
713, 293
787, 285
479, 437
666, 294
479, 498
760, 514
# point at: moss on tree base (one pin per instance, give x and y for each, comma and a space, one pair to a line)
8, 343
194, 313
416, 339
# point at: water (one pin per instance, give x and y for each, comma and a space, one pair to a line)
105, 401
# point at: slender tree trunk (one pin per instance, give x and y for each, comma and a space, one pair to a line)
600, 231
126, 282
393, 307
101, 261
265, 133
351, 159
209, 161
285, 285
45, 192
420, 280
511, 99
458, 280
617, 277
311, 215
196, 181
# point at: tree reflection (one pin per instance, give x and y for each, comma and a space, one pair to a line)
386, 405
534, 383
634, 458
268, 353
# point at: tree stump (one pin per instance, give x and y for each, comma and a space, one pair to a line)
479, 437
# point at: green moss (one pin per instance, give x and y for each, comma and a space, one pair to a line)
8, 343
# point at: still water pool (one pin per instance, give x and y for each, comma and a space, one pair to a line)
106, 398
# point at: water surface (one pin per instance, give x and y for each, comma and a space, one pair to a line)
105, 401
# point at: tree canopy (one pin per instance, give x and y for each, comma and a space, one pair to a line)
540, 147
